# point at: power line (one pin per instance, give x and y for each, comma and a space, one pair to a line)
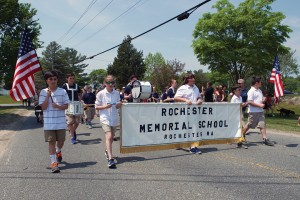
86, 10
89, 21
89, 37
178, 17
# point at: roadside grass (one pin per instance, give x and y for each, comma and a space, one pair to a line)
4, 99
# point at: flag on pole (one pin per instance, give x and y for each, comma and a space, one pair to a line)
277, 80
27, 64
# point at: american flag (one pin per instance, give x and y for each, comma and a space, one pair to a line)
277, 80
27, 64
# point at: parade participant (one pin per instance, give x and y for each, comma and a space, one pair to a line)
74, 93
256, 118
208, 92
89, 99
107, 102
244, 92
54, 101
127, 92
154, 96
189, 93
236, 98
163, 96
171, 91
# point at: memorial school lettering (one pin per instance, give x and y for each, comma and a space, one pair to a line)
154, 124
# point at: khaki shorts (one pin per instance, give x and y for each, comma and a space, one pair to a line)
55, 135
107, 128
89, 113
73, 119
256, 119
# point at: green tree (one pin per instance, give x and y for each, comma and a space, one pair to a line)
128, 61
152, 60
63, 61
240, 41
14, 19
96, 77
162, 74
288, 64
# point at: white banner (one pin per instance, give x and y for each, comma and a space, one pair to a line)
156, 124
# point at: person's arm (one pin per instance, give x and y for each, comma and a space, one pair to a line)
99, 103
45, 103
181, 99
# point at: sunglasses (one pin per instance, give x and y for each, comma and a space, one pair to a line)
110, 82
52, 79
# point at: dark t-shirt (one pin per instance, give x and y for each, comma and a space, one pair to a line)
89, 98
127, 91
209, 94
76, 92
164, 96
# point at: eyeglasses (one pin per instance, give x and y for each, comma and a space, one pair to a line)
110, 82
52, 79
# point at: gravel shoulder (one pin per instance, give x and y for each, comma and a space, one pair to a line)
10, 125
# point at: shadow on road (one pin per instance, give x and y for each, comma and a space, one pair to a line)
89, 142
66, 165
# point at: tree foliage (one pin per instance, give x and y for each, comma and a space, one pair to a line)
152, 60
240, 41
288, 64
96, 77
128, 61
14, 19
63, 61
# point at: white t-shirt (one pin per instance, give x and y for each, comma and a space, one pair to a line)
108, 116
236, 99
256, 96
188, 92
54, 118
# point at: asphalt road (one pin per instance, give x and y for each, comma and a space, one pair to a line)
221, 172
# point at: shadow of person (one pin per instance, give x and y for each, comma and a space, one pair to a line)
121, 160
89, 142
291, 145
66, 165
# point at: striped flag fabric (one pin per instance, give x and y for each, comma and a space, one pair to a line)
277, 79
27, 64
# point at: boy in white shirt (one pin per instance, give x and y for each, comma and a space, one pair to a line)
54, 101
236, 98
256, 118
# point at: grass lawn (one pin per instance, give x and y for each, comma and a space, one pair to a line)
7, 100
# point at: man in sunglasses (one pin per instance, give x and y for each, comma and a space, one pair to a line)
107, 102
54, 101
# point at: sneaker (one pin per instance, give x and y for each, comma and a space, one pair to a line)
240, 145
195, 150
111, 164
73, 141
54, 167
59, 157
106, 155
267, 142
90, 126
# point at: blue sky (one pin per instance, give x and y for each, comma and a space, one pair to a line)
173, 40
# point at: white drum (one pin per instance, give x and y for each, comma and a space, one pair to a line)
141, 89
75, 108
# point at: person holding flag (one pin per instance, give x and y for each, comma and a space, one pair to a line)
256, 103
54, 102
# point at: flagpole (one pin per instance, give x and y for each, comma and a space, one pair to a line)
43, 74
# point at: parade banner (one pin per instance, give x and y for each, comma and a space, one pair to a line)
160, 126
